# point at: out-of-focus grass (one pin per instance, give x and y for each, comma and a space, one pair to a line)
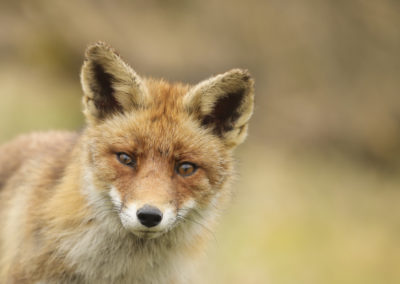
307, 219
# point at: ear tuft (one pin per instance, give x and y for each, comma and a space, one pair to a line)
109, 84
224, 104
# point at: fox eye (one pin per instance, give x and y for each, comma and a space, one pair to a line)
186, 169
126, 159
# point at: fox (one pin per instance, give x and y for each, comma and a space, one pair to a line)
133, 195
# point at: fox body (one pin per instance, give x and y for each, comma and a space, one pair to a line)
132, 197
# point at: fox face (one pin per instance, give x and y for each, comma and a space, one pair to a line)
159, 154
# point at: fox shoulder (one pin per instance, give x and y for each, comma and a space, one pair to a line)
28, 147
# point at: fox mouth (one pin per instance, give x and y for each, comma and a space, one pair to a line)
147, 221
145, 234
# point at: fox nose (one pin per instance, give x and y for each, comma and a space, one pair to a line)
149, 216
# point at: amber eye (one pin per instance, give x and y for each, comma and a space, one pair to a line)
126, 159
186, 169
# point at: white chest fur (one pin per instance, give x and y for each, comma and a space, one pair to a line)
106, 253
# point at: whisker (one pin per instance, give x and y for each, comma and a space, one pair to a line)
185, 218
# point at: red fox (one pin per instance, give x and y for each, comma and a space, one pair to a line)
132, 197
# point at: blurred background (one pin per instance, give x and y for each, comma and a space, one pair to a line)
318, 191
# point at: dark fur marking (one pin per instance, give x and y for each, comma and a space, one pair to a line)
104, 98
225, 112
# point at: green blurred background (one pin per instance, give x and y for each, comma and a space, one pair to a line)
318, 191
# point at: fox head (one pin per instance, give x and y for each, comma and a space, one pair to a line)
160, 154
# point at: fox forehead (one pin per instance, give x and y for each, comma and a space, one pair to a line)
164, 126
166, 95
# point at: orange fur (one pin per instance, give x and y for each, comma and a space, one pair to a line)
68, 205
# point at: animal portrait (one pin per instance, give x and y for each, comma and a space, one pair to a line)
131, 197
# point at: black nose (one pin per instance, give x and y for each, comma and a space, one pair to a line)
149, 216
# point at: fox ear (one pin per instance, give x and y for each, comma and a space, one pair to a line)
109, 84
224, 104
